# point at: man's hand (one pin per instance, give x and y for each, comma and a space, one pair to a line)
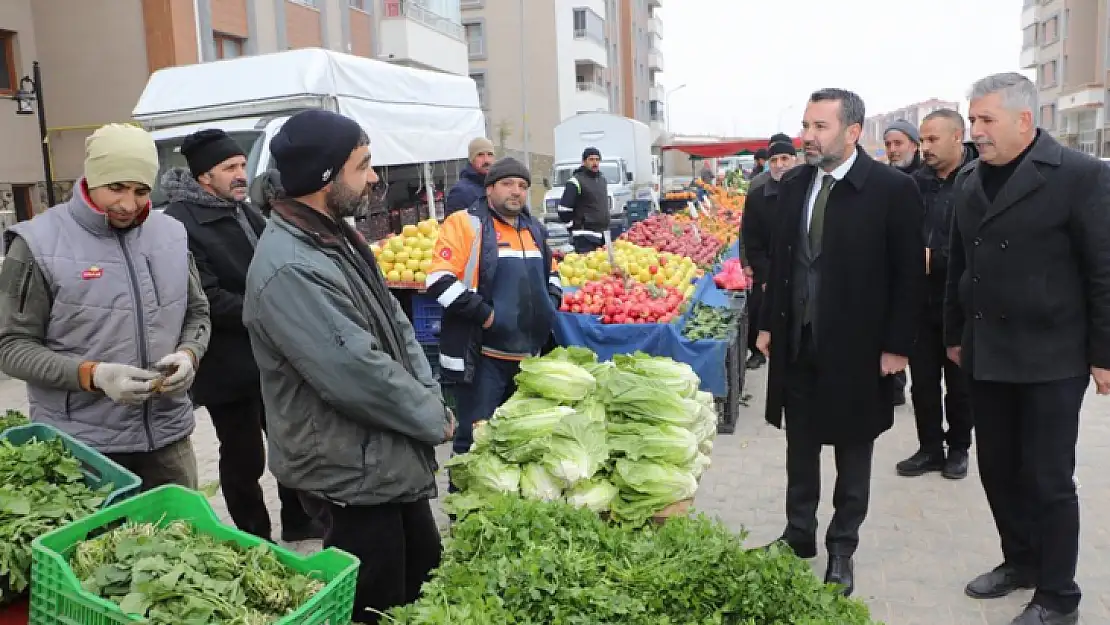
449, 431
763, 343
955, 353
123, 383
488, 322
179, 370
1102, 380
891, 364
749, 272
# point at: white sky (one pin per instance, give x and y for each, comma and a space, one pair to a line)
750, 65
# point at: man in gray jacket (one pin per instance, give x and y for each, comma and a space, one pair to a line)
353, 411
103, 315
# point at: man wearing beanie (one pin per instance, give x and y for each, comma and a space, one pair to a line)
209, 199
761, 179
472, 180
108, 348
756, 230
902, 146
352, 410
585, 203
490, 325
760, 162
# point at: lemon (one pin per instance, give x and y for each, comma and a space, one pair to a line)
410, 231
387, 256
412, 264
393, 276
428, 244
420, 277
426, 265
415, 253
428, 226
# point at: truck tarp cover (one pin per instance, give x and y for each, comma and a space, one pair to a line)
720, 149
410, 115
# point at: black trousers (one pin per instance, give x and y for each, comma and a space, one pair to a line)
852, 492
239, 426
398, 545
929, 365
755, 300
1026, 446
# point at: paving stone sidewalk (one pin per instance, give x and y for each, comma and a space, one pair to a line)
923, 539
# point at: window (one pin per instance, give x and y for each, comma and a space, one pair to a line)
361, 5
1029, 37
475, 39
1048, 117
471, 4
480, 84
307, 3
9, 82
1046, 75
228, 47
589, 25
1050, 30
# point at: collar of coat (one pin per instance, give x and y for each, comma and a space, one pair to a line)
321, 229
856, 176
1046, 149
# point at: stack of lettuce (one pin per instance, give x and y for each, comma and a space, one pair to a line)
629, 437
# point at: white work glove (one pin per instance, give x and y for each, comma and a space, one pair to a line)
123, 383
179, 371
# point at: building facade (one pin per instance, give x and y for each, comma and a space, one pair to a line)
108, 48
875, 125
1065, 43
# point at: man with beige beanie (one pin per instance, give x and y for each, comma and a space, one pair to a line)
472, 180
102, 313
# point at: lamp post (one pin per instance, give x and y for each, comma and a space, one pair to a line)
667, 108
30, 92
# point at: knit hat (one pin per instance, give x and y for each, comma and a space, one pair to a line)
207, 148
311, 149
508, 167
120, 153
780, 137
761, 153
591, 151
781, 147
905, 128
477, 146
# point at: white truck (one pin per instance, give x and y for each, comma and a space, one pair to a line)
412, 116
626, 159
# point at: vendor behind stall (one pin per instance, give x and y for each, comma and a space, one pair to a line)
492, 273
585, 203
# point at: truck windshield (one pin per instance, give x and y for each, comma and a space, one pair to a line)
169, 156
611, 171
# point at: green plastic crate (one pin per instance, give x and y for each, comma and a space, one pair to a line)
57, 597
98, 469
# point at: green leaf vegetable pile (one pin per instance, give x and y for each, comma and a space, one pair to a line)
174, 575
709, 322
628, 437
42, 488
12, 418
527, 562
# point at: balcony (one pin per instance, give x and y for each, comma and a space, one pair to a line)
1091, 96
655, 4
1028, 15
655, 60
1028, 58
657, 93
415, 36
655, 27
590, 96
588, 45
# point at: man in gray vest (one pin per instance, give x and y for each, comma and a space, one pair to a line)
103, 315
585, 204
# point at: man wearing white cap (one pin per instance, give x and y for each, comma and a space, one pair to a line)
102, 313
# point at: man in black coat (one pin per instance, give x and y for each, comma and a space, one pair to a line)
756, 231
839, 317
209, 199
1027, 316
942, 133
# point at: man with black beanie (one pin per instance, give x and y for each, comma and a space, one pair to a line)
209, 199
762, 178
585, 203
354, 413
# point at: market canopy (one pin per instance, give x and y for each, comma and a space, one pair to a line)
718, 149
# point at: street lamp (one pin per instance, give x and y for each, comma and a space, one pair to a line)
667, 107
30, 91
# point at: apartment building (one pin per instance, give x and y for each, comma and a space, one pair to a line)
539, 62
96, 55
1065, 43
875, 125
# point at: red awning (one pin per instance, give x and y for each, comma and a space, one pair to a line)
718, 149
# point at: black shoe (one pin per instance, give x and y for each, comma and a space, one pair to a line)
806, 551
921, 463
1000, 582
1040, 615
296, 534
756, 361
955, 467
841, 572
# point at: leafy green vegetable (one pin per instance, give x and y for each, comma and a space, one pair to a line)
484, 473
596, 494
523, 436
174, 575
536, 482
12, 419
577, 449
709, 322
524, 562
671, 374
555, 379
647, 487
42, 488
665, 443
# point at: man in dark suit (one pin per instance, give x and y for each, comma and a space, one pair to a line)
1027, 316
839, 317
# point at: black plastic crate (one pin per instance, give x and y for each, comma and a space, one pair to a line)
728, 407
427, 317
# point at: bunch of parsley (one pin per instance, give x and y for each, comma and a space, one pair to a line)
523, 562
